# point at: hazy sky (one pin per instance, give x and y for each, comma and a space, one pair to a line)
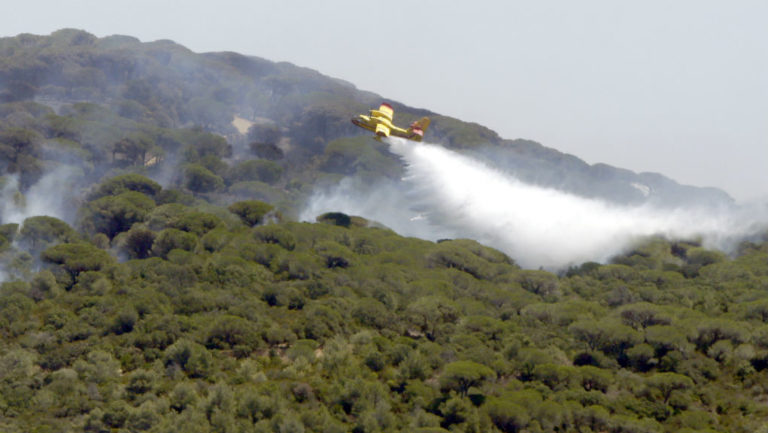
678, 87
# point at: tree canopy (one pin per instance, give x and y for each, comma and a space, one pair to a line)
181, 294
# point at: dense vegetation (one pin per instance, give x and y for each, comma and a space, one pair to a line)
192, 317
176, 292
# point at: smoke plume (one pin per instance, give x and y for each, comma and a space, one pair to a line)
55, 194
448, 195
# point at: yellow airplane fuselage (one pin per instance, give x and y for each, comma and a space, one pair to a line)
381, 126
380, 123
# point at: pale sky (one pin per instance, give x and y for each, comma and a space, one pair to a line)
677, 87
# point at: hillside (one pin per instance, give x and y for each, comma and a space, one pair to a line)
170, 287
146, 92
163, 316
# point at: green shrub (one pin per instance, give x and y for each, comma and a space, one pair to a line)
190, 357
251, 212
171, 239
459, 376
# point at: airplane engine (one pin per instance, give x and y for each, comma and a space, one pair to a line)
382, 131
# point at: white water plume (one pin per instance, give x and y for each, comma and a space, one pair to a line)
445, 194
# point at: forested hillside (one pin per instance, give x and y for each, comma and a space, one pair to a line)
154, 277
165, 314
117, 103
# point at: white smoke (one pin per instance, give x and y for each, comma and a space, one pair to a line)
55, 194
445, 194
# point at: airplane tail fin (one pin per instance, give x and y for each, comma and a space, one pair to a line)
422, 123
418, 128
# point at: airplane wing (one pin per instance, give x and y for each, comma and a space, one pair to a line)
385, 110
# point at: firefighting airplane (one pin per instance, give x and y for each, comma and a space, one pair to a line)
380, 122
